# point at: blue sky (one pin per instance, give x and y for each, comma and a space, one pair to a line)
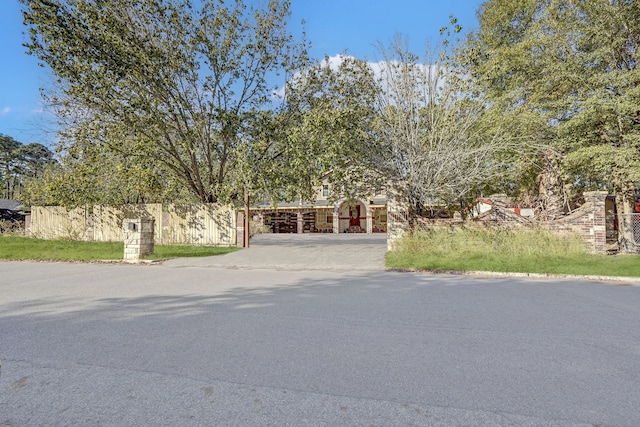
332, 26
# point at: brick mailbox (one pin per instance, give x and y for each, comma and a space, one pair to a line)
138, 238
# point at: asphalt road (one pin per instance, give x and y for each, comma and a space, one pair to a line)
124, 345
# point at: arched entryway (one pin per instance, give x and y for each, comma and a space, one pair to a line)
352, 216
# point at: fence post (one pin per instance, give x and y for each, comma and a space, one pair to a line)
247, 213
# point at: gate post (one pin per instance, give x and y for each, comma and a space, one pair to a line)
397, 220
138, 238
299, 222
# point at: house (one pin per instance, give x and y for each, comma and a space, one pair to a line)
324, 215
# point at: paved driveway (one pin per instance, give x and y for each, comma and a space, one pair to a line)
334, 252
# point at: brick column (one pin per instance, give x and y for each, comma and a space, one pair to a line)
598, 232
138, 238
397, 220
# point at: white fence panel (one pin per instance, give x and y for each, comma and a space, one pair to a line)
188, 224
203, 224
57, 222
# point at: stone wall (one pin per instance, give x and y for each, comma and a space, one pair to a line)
588, 221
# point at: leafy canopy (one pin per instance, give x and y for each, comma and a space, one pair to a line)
169, 82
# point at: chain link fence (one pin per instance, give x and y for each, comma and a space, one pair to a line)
635, 225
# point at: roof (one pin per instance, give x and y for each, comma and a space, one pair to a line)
14, 205
318, 204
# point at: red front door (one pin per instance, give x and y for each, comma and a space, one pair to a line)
354, 218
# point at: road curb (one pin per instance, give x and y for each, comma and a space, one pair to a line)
618, 280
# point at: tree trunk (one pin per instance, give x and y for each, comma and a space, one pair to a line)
551, 198
625, 195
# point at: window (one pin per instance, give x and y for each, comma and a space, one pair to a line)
325, 190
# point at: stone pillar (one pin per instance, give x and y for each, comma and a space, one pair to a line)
336, 218
369, 219
397, 220
598, 232
300, 221
138, 238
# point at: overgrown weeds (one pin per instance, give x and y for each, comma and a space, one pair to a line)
507, 250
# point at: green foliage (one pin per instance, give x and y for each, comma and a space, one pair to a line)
501, 250
19, 164
162, 82
565, 72
95, 172
569, 68
331, 115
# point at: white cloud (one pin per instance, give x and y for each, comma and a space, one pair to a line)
381, 71
333, 62
5, 110
278, 93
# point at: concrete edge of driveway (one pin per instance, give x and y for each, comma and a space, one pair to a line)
614, 280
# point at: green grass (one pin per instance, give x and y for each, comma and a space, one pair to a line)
178, 251
522, 251
25, 248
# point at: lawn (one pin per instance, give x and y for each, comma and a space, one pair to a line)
25, 248
523, 251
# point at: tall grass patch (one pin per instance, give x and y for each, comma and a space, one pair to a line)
534, 250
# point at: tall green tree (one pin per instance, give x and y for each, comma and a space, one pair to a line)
90, 174
8, 156
331, 116
567, 71
174, 82
20, 163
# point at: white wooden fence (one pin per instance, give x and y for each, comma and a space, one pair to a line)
200, 224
